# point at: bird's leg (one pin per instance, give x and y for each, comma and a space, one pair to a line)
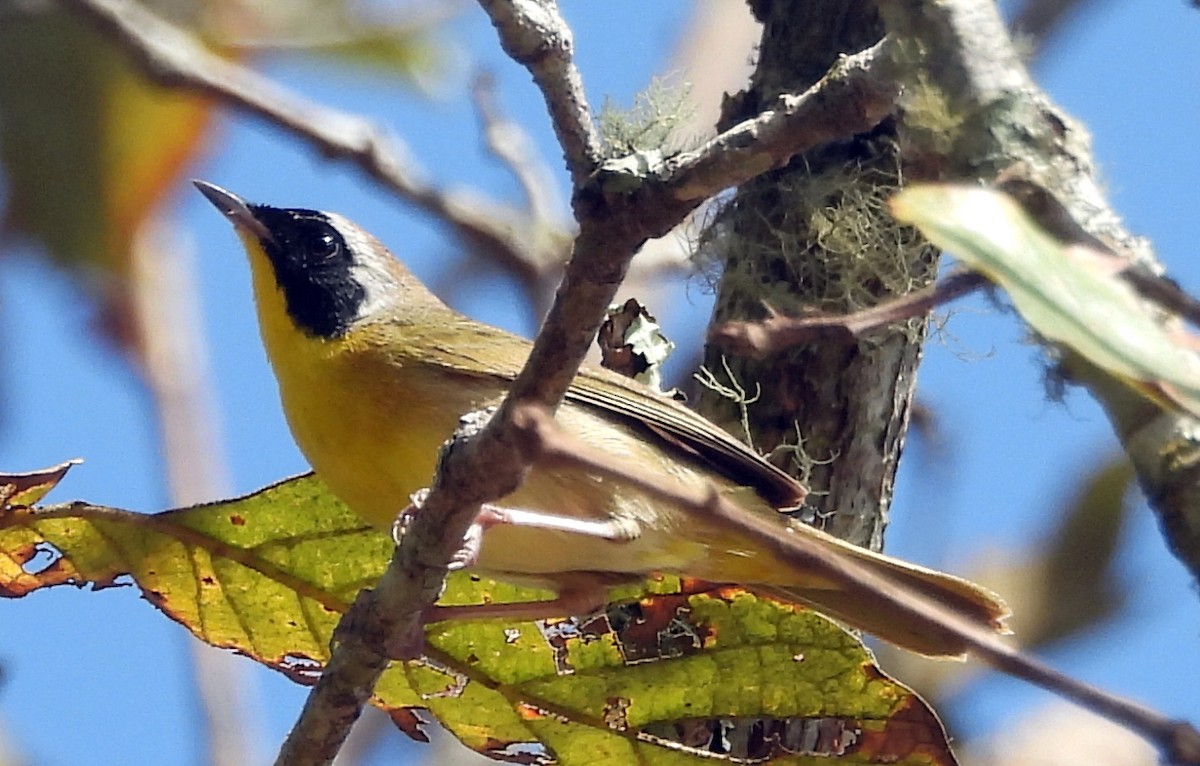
614, 529
583, 597
586, 595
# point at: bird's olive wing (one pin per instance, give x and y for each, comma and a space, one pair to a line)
687, 431
477, 349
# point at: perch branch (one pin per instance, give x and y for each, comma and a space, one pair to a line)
853, 97
617, 208
548, 445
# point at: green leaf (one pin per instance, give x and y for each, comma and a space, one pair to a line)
1069, 293
664, 677
683, 678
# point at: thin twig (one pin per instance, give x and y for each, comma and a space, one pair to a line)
534, 34
547, 239
513, 147
853, 97
174, 58
549, 445
778, 333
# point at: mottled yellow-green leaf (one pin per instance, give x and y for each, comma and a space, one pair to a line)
268, 574
671, 677
675, 679
1069, 293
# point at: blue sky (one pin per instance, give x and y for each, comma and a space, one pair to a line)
102, 678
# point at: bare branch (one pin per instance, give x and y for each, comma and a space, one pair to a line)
546, 240
618, 209
777, 333
535, 35
853, 97
513, 147
549, 445
174, 58
482, 464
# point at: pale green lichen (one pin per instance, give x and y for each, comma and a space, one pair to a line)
650, 124
826, 243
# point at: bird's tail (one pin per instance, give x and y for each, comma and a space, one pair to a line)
882, 616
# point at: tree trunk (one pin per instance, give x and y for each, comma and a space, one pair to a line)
817, 236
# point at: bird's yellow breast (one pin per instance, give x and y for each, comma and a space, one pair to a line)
369, 424
370, 421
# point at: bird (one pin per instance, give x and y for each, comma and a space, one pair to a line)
374, 373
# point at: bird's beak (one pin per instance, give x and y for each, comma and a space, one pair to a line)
235, 209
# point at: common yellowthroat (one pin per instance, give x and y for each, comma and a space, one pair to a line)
374, 372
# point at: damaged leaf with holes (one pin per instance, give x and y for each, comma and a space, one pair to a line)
672, 672
692, 677
268, 575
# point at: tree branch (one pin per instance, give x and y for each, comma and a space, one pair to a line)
513, 147
854, 96
618, 208
174, 58
534, 34
778, 333
548, 445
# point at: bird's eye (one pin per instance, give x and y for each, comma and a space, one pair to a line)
322, 244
